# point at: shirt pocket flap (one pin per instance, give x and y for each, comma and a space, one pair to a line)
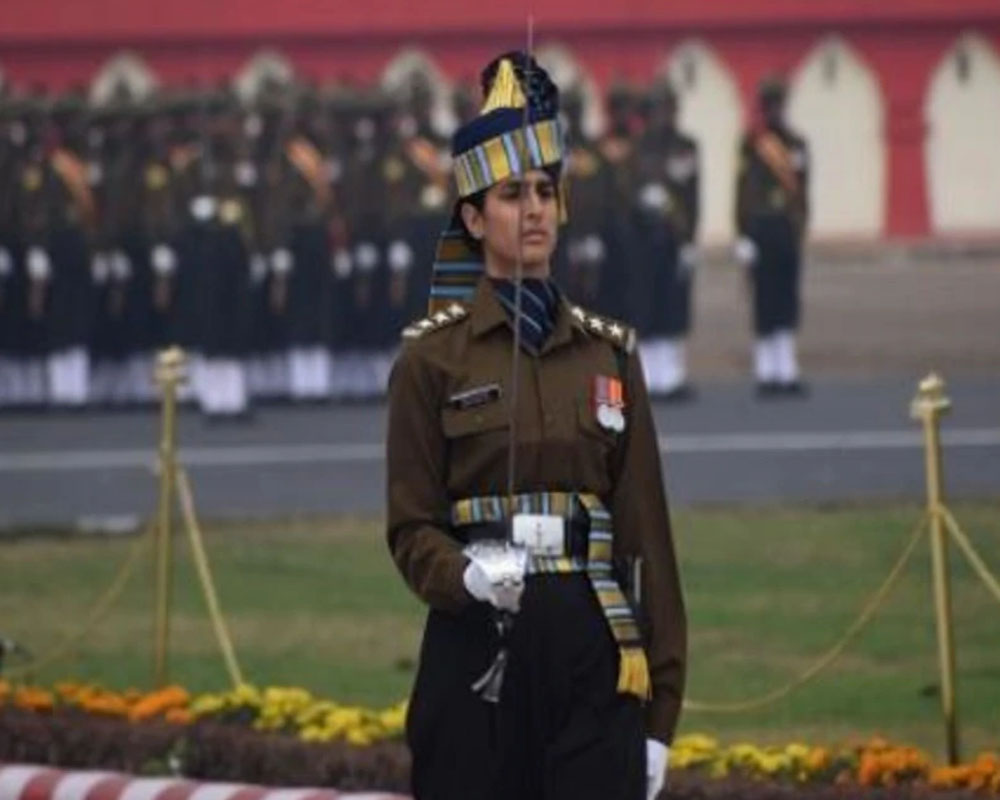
458, 422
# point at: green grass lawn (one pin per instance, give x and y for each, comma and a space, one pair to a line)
317, 603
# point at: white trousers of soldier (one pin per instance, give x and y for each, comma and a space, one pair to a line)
775, 358
309, 373
22, 382
221, 387
69, 377
664, 364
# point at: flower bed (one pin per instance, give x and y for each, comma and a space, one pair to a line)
285, 736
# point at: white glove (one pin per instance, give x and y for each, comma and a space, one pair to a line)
39, 265
687, 259
282, 261
745, 251
657, 760
342, 264
495, 574
164, 260
100, 268
400, 256
258, 268
120, 265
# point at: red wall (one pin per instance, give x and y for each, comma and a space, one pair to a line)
62, 42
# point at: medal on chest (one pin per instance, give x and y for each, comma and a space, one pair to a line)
608, 401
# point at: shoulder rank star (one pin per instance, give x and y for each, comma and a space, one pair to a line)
609, 403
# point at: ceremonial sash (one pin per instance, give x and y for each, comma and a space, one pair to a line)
308, 161
72, 171
633, 669
775, 155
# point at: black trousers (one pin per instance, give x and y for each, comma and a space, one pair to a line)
776, 274
560, 730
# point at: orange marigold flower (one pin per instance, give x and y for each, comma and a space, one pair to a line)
179, 716
34, 699
159, 702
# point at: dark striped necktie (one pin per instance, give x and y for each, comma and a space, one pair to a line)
539, 307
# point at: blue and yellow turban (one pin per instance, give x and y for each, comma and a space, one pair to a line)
517, 130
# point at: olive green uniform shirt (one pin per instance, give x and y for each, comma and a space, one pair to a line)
439, 452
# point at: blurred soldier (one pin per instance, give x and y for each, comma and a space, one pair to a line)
111, 171
259, 172
58, 215
142, 214
13, 144
618, 149
588, 273
417, 207
666, 219
771, 215
295, 240
370, 169
214, 257
342, 105
20, 189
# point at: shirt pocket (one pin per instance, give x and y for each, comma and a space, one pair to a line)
477, 441
458, 423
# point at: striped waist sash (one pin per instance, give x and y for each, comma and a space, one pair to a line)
633, 672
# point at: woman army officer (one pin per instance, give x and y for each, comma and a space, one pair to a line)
525, 500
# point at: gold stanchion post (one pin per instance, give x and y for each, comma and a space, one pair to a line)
928, 407
169, 375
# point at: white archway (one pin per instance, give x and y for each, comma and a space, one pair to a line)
266, 68
126, 72
399, 72
835, 102
962, 154
568, 73
710, 112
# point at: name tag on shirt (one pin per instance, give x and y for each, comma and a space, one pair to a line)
541, 534
477, 396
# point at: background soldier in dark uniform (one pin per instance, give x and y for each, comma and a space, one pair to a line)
618, 149
418, 205
772, 209
298, 207
586, 271
214, 254
666, 219
13, 144
372, 166
58, 217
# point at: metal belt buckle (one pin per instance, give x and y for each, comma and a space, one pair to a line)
541, 534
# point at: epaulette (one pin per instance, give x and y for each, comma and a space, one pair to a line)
435, 322
618, 333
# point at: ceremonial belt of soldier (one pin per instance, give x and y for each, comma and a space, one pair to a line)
633, 671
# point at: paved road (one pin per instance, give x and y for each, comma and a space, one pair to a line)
849, 441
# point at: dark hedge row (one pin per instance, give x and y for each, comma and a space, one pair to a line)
205, 751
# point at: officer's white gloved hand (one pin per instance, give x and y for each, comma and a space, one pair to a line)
505, 596
657, 760
687, 258
745, 251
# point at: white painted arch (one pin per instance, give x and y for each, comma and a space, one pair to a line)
836, 103
567, 72
400, 70
125, 69
962, 153
711, 113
